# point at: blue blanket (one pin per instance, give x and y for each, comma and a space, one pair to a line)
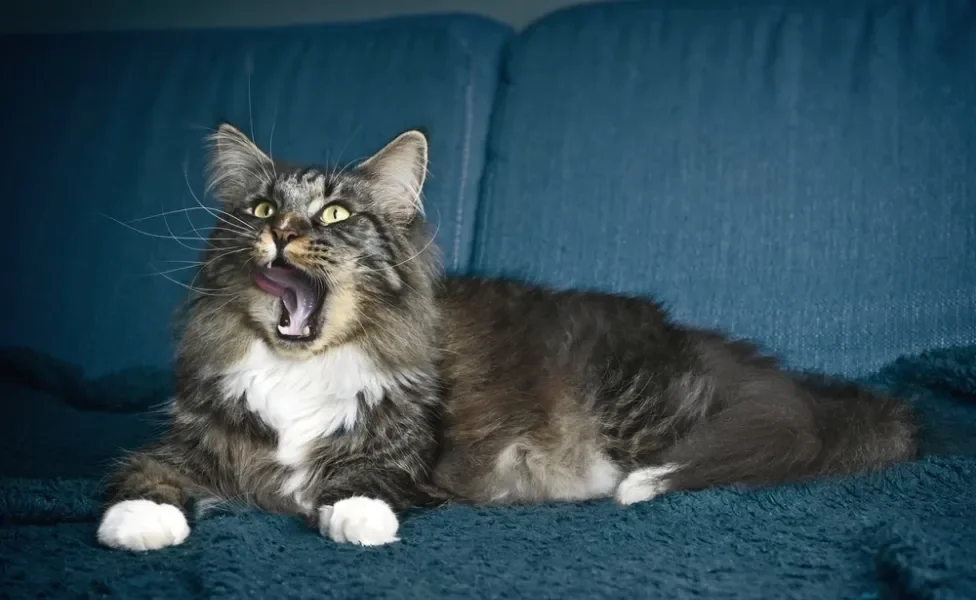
909, 532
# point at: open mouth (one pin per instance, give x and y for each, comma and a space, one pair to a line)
300, 300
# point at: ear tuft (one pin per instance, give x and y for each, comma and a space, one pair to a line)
397, 174
237, 165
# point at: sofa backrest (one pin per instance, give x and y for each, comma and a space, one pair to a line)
802, 173
102, 124
795, 172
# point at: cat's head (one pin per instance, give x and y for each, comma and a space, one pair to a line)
314, 257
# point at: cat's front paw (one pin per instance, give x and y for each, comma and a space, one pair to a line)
142, 525
359, 520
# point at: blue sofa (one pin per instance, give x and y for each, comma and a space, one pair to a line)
799, 172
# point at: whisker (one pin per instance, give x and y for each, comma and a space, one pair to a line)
173, 270
239, 294
201, 291
213, 212
345, 146
163, 214
394, 317
274, 122
218, 257
173, 235
228, 253
189, 188
234, 231
186, 215
165, 237
405, 261
346, 166
234, 297
231, 228
204, 234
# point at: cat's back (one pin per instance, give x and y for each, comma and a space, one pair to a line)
508, 302
525, 322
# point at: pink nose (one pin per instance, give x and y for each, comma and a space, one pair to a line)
285, 235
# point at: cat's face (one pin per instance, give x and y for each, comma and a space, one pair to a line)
315, 256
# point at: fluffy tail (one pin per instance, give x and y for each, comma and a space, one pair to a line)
859, 429
779, 433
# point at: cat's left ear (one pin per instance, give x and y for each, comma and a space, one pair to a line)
396, 175
237, 166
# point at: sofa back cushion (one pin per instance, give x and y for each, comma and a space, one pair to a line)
799, 173
100, 126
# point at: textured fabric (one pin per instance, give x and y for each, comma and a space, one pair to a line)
907, 532
102, 124
46, 435
797, 172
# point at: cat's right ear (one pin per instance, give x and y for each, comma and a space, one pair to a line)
237, 166
397, 174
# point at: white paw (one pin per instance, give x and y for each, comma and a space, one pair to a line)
359, 520
643, 484
142, 525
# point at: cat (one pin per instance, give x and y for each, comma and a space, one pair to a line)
328, 370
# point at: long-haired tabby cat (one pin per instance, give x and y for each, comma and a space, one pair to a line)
328, 370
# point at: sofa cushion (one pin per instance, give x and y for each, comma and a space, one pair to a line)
905, 533
102, 124
799, 172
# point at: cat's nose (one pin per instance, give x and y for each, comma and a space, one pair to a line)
283, 236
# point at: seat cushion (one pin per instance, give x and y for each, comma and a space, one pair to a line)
905, 533
800, 173
101, 125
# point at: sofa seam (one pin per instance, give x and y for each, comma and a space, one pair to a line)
465, 153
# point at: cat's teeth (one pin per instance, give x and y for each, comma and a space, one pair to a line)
307, 331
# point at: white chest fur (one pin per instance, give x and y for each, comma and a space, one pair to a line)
305, 400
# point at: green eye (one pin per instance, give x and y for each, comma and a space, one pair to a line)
263, 210
333, 214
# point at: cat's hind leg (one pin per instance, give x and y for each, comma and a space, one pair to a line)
748, 444
643, 484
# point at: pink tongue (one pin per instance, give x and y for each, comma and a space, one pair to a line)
296, 293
